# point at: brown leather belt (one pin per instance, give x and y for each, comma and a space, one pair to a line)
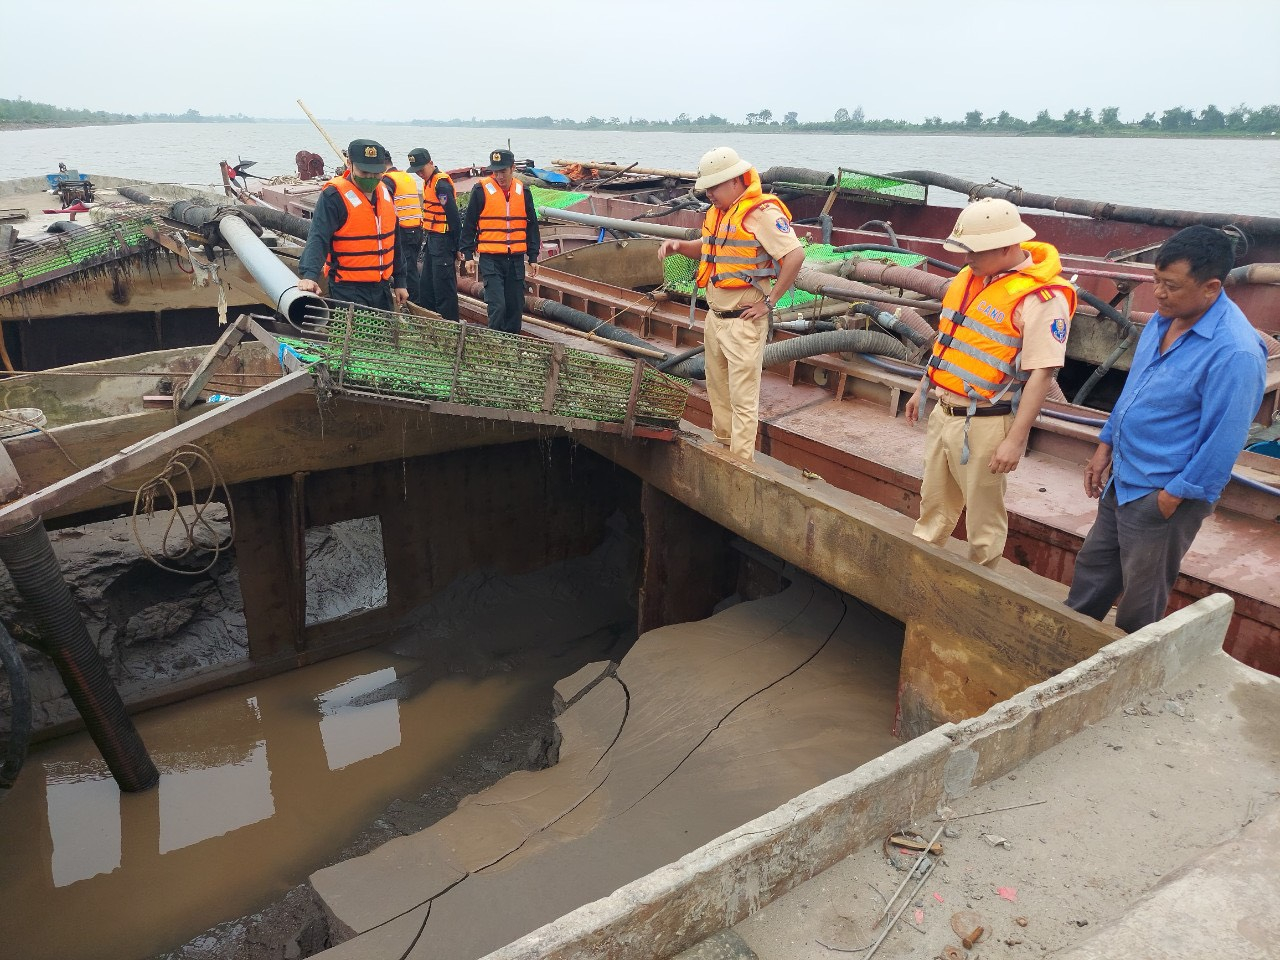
995, 410
729, 314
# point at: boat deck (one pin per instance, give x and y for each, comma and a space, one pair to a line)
856, 445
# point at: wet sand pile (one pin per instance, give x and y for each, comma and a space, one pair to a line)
701, 727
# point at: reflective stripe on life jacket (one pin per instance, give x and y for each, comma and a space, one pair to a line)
407, 197
731, 254
433, 217
503, 224
363, 248
977, 350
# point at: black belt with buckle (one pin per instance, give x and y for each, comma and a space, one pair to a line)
728, 314
995, 410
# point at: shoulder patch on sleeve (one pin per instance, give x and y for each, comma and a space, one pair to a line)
782, 225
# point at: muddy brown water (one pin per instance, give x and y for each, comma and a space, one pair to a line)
263, 784
259, 785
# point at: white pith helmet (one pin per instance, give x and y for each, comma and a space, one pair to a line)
987, 224
718, 166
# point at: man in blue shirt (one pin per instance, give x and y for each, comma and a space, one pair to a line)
1167, 450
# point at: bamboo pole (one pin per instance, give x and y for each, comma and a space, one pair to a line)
619, 168
328, 139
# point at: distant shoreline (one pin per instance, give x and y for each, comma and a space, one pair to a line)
750, 129
58, 124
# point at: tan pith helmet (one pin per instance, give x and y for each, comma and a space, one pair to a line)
987, 224
718, 166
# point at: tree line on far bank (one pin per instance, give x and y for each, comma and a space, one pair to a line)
1210, 121
1239, 121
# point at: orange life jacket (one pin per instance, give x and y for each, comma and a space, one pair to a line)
363, 248
977, 351
408, 198
731, 254
503, 225
433, 217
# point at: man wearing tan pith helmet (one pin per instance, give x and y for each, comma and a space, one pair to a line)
1002, 336
748, 258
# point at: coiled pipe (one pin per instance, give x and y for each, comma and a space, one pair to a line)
15, 753
797, 348
841, 288
890, 275
815, 178
886, 248
29, 557
137, 195
278, 220
1099, 210
584, 322
893, 324
887, 227
238, 226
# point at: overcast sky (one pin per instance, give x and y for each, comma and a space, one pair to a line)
383, 60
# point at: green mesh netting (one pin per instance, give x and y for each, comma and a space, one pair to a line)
886, 186
543, 197
554, 199
96, 243
418, 358
678, 271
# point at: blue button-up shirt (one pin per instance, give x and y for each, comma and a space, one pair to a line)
1183, 415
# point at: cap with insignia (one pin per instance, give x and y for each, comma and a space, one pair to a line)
418, 158
368, 156
501, 160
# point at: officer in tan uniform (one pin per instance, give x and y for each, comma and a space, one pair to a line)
748, 258
1002, 338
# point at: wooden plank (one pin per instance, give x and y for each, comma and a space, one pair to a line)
553, 379
10, 482
152, 448
297, 572
509, 416
629, 421
229, 340
295, 434
457, 360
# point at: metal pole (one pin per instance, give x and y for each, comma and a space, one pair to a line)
629, 226
328, 139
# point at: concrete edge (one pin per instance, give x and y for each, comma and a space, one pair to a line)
1027, 724
724, 881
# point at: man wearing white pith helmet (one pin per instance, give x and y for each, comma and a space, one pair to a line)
1002, 336
748, 258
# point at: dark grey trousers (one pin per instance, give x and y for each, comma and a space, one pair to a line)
439, 286
503, 276
1133, 552
412, 253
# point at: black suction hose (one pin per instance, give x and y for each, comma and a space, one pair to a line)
584, 322
15, 752
797, 348
278, 220
891, 323
885, 248
29, 557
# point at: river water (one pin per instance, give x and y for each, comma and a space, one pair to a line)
1222, 176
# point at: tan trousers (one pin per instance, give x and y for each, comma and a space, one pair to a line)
734, 353
949, 487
